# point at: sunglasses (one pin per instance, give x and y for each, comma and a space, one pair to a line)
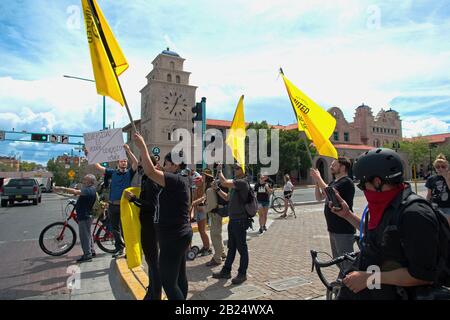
441, 167
362, 184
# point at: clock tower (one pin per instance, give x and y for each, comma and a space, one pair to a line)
166, 102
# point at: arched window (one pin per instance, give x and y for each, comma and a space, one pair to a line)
169, 78
178, 79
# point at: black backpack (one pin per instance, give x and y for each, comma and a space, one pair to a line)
443, 266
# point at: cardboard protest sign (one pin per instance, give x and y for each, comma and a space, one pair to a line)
105, 146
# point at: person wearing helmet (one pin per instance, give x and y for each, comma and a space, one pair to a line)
400, 237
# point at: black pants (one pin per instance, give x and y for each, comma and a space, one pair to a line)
172, 265
114, 216
150, 247
237, 241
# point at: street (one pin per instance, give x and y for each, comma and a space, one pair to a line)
28, 273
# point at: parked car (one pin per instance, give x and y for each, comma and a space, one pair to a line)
19, 190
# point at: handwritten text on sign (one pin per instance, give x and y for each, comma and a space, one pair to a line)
105, 146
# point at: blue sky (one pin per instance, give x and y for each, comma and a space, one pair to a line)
387, 54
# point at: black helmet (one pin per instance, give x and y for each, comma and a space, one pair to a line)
380, 162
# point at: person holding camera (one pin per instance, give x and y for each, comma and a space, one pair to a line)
438, 186
216, 206
342, 233
238, 225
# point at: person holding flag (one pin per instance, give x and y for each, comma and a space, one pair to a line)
238, 194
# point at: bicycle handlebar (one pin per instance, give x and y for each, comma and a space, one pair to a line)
318, 265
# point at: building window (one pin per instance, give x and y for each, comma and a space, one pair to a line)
336, 136
172, 65
346, 136
169, 78
178, 79
169, 136
373, 129
378, 130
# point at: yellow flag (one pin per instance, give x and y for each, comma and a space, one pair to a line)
236, 136
317, 123
106, 55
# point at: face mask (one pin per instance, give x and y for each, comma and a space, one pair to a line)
378, 202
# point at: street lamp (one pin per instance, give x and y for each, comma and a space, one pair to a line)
104, 99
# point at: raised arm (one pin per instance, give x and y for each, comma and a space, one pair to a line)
320, 185
96, 165
149, 169
134, 160
68, 190
227, 183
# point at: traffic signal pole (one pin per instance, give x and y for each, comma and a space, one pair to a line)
203, 132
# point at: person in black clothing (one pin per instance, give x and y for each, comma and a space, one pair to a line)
403, 247
342, 233
438, 186
147, 202
263, 189
173, 228
238, 224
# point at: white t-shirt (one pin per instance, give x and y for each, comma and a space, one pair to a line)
288, 187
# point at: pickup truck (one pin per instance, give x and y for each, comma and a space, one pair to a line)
18, 190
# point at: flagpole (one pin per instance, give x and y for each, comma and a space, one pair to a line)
304, 139
111, 61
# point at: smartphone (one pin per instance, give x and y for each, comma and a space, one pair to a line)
331, 196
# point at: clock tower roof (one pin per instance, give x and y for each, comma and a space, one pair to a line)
170, 53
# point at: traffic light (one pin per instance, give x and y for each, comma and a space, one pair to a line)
39, 137
198, 112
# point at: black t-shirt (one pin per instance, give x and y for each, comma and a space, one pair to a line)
172, 214
346, 190
238, 197
148, 199
261, 192
439, 191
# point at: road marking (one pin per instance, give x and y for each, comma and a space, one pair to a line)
25, 240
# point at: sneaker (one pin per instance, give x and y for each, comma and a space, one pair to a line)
118, 254
213, 263
84, 259
261, 230
283, 215
205, 252
264, 228
239, 279
222, 275
93, 254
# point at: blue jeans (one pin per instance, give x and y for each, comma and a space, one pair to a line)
237, 240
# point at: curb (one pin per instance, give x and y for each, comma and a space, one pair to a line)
136, 280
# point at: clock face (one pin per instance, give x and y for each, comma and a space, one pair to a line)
174, 104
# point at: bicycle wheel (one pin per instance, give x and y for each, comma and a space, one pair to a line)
278, 204
105, 240
333, 294
57, 239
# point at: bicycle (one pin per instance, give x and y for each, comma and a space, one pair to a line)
55, 241
277, 203
334, 287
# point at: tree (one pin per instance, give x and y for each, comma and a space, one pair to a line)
60, 177
293, 152
256, 168
417, 151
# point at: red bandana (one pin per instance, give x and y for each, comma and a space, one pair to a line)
378, 202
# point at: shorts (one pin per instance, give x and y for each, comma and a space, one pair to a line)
263, 204
287, 194
200, 215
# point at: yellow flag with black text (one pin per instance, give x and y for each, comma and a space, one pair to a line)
316, 122
236, 136
106, 55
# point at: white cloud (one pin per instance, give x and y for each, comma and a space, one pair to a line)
424, 127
